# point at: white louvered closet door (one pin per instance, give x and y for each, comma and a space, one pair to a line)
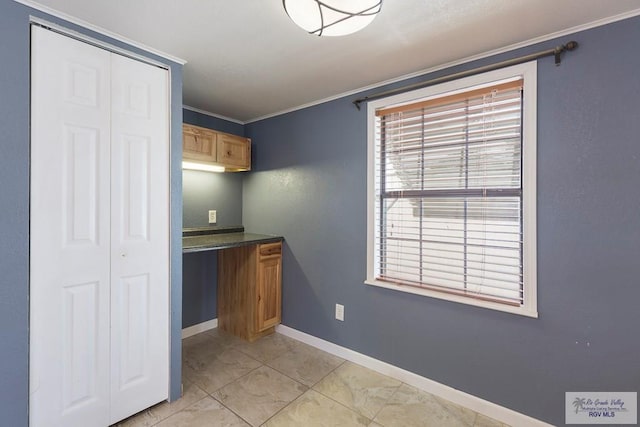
98, 257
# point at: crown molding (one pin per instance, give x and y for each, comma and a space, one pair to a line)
100, 30
209, 113
535, 40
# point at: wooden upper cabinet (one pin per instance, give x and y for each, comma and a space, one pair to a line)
208, 146
198, 144
234, 150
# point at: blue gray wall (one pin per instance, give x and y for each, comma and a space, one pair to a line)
309, 184
203, 191
14, 211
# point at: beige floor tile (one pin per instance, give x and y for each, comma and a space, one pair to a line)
412, 407
256, 381
204, 413
312, 409
257, 396
207, 344
358, 388
225, 336
191, 394
268, 348
484, 421
305, 364
217, 369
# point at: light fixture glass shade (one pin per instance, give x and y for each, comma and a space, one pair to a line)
332, 17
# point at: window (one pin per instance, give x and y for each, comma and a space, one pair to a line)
452, 191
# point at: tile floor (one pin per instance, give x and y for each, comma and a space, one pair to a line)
280, 382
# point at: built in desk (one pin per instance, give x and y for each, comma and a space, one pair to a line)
249, 277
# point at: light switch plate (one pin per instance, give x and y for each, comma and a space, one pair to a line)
212, 217
340, 312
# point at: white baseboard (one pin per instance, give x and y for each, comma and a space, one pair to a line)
474, 403
200, 327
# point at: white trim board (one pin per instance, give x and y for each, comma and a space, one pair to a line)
35, 20
200, 327
474, 403
77, 21
208, 113
468, 59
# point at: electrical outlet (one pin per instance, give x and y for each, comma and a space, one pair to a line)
212, 217
340, 312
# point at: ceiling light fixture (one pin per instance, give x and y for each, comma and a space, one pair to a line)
332, 17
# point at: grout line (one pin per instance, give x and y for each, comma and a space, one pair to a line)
223, 404
329, 373
344, 406
386, 403
306, 388
262, 364
182, 410
231, 410
248, 355
314, 350
301, 345
232, 381
321, 379
285, 407
288, 376
371, 420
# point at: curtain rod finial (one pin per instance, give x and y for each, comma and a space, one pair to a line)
572, 45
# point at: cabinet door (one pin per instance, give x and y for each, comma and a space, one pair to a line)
234, 151
198, 144
269, 285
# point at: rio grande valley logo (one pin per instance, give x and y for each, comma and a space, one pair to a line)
601, 408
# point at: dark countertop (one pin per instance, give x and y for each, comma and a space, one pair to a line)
214, 238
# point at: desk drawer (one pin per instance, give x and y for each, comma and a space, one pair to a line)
270, 249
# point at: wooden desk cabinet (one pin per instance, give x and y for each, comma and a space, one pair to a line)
250, 290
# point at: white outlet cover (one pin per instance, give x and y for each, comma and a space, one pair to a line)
340, 312
212, 217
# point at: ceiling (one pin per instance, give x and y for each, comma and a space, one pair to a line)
246, 59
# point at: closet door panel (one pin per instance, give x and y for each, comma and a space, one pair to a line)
140, 233
69, 232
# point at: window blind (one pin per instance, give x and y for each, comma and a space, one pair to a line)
448, 186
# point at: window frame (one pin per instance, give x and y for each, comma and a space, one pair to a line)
528, 72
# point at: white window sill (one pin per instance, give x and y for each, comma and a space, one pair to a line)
523, 311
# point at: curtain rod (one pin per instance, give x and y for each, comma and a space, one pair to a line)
556, 52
